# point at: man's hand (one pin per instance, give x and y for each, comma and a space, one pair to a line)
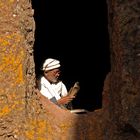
65, 99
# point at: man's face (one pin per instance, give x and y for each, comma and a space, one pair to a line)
52, 75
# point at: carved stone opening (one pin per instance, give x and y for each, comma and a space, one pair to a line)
26, 116
80, 41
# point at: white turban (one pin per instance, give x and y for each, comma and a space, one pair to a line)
50, 64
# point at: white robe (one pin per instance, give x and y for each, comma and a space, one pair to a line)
52, 90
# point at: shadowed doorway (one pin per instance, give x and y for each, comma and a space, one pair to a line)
75, 32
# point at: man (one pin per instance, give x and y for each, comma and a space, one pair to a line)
50, 85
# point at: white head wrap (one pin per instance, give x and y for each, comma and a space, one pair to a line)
50, 64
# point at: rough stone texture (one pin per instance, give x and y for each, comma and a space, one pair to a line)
26, 115
124, 28
60, 124
16, 66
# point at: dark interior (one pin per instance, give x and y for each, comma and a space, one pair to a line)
76, 33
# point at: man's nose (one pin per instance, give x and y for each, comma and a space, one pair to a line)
57, 74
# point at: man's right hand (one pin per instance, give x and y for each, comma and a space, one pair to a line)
65, 100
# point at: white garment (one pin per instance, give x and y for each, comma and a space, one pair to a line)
52, 90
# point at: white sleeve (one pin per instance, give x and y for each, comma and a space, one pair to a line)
64, 90
45, 92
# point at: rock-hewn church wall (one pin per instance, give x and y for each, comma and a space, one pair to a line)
124, 28
16, 66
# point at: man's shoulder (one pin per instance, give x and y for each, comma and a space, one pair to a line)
43, 80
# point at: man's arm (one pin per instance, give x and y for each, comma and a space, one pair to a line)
65, 100
71, 94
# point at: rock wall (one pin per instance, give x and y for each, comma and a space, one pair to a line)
124, 28
17, 75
